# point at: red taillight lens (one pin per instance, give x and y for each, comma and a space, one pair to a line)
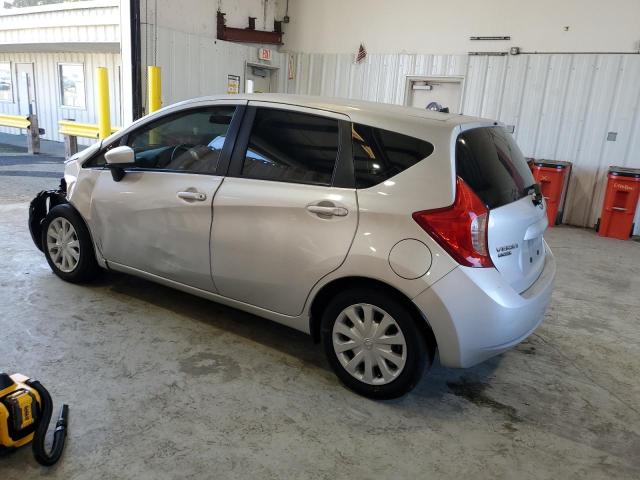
460, 229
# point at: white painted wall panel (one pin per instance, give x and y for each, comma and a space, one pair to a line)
493, 87
562, 105
445, 27
476, 79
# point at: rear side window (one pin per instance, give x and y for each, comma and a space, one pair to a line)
490, 162
381, 154
292, 147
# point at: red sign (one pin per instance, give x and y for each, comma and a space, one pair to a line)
264, 54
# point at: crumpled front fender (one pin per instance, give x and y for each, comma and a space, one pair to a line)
40, 206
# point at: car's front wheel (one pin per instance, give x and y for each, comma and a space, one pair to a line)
373, 343
67, 245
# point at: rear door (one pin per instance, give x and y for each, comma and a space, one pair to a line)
490, 162
284, 215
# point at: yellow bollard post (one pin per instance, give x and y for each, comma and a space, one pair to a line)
154, 88
102, 100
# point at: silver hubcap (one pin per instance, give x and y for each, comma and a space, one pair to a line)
369, 344
63, 244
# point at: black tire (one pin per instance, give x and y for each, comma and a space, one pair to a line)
419, 352
87, 267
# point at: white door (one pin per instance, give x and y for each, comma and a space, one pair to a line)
259, 80
444, 92
157, 219
280, 224
26, 88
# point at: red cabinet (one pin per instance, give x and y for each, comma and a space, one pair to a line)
620, 202
553, 177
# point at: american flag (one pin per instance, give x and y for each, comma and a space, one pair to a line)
362, 54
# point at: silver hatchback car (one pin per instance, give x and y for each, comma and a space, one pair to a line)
387, 233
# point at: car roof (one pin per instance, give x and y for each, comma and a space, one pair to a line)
359, 111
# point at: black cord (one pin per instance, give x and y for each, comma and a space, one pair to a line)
60, 433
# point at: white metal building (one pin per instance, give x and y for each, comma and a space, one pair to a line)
55, 50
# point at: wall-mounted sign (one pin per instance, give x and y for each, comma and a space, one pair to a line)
265, 54
291, 66
233, 84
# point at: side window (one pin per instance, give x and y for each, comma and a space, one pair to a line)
291, 147
6, 82
381, 154
98, 161
188, 141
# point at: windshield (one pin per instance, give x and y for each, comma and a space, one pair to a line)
490, 162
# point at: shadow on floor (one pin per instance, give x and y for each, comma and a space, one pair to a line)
469, 384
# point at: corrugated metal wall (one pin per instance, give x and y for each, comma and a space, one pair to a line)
561, 105
85, 22
48, 89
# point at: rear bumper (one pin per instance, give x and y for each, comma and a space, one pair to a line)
475, 314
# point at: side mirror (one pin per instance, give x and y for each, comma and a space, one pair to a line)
118, 158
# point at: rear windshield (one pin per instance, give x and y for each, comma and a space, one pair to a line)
490, 162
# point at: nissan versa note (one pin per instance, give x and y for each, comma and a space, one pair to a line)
387, 233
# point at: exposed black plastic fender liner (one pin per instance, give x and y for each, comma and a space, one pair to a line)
40, 206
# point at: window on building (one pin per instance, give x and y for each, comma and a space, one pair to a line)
6, 85
291, 147
72, 85
381, 154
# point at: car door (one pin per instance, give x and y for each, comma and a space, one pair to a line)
286, 214
157, 219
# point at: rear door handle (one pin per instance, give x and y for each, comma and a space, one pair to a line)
328, 211
198, 196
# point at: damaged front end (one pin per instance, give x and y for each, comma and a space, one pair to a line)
40, 206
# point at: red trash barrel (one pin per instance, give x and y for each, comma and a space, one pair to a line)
553, 177
620, 201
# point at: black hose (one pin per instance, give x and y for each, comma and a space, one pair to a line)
60, 433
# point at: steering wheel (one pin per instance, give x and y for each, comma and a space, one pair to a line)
176, 149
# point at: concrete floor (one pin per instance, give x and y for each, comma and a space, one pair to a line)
165, 385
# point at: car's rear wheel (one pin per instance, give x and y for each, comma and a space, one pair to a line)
373, 343
67, 245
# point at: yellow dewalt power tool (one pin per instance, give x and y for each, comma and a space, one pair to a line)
25, 413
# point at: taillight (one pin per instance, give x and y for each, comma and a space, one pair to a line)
460, 229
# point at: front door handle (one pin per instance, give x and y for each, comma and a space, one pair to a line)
198, 196
328, 211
